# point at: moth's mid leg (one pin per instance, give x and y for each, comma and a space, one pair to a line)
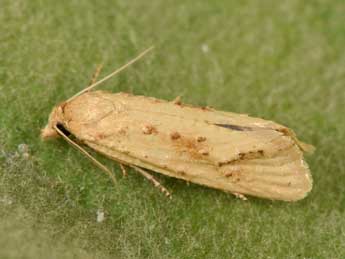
123, 169
96, 74
240, 196
152, 180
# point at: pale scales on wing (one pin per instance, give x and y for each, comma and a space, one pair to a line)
228, 159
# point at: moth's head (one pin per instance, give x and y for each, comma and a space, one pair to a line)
55, 119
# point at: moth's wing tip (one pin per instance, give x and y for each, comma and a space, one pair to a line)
307, 188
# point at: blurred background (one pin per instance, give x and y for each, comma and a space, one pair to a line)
280, 60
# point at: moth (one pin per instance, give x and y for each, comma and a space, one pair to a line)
231, 152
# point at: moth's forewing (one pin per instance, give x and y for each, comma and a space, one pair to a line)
227, 151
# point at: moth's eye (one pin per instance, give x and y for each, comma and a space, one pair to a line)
62, 128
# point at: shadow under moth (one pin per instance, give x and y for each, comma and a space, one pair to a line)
232, 152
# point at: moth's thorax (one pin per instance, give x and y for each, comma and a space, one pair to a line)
88, 108
56, 117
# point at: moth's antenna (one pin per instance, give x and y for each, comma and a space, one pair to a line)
112, 74
94, 160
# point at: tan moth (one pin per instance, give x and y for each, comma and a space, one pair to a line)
232, 152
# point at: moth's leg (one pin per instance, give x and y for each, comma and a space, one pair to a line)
240, 196
153, 180
177, 100
123, 169
96, 74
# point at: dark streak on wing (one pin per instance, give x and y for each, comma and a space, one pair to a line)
234, 127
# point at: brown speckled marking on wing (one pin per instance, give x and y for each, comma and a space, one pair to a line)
206, 153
